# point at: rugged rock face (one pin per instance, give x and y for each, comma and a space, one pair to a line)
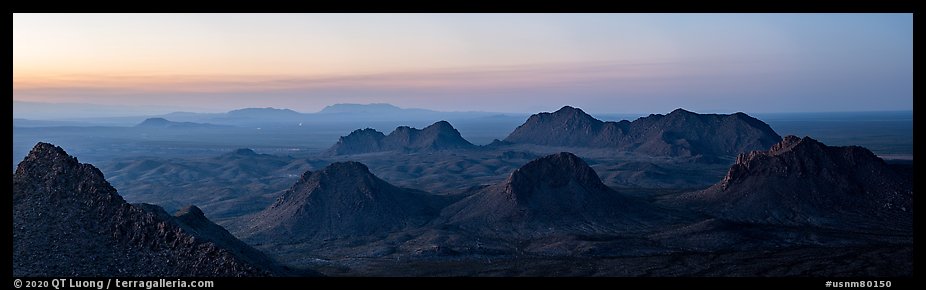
68, 221
679, 133
800, 181
438, 136
342, 200
558, 191
193, 220
359, 141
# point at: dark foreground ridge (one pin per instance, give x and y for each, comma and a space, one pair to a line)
69, 221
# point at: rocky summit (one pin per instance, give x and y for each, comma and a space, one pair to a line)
342, 200
69, 221
800, 181
556, 191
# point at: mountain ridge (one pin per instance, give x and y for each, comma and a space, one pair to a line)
438, 136
164, 123
801, 181
679, 133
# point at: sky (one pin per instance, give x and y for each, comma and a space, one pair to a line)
525, 63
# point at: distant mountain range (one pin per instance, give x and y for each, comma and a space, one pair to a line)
330, 114
679, 133
68, 221
166, 124
377, 108
438, 136
41, 114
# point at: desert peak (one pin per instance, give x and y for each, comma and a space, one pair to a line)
786, 144
680, 111
442, 124
45, 153
346, 166
570, 110
190, 210
553, 170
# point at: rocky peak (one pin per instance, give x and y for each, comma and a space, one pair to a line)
343, 199
567, 126
190, 211
681, 111
441, 133
787, 143
342, 177
49, 154
366, 135
403, 129
552, 171
366, 131
68, 221
349, 175
441, 125
554, 193
49, 170
344, 169
805, 158
358, 141
571, 113
438, 136
803, 181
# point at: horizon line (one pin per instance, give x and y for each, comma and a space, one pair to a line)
207, 111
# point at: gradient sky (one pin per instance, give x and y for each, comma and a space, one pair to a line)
603, 63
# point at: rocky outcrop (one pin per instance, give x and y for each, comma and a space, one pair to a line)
800, 181
358, 141
68, 221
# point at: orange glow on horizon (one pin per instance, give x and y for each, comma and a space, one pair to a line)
451, 78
